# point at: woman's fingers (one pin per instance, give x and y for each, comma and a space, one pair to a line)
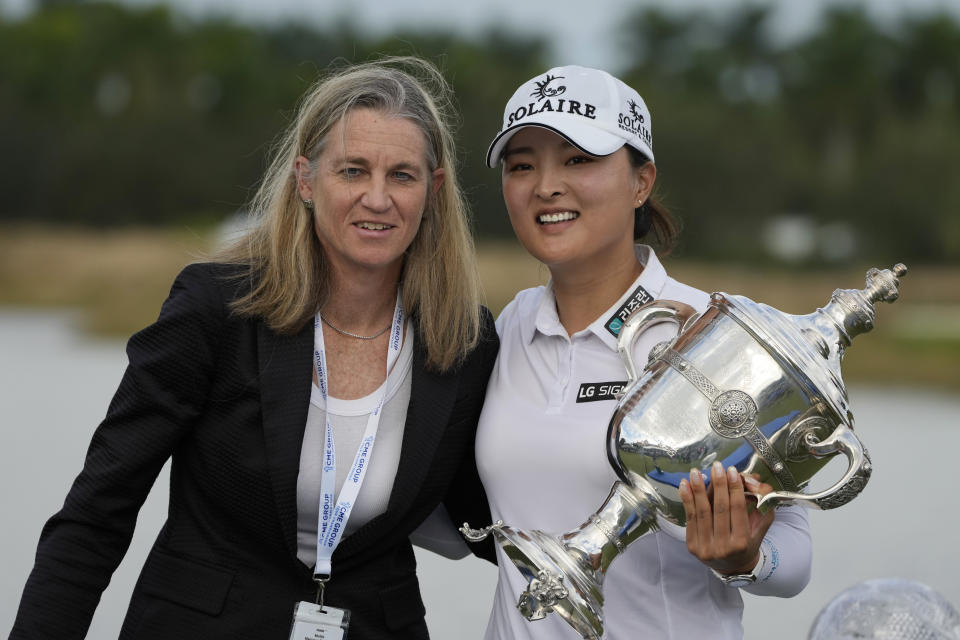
721, 502
758, 522
731, 527
739, 522
754, 486
704, 511
703, 516
690, 509
693, 493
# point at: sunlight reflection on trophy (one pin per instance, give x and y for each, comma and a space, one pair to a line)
742, 383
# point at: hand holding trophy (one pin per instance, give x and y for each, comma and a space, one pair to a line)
721, 531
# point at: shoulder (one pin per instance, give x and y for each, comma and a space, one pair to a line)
522, 310
486, 320
489, 342
214, 278
194, 320
488, 339
672, 289
201, 295
675, 290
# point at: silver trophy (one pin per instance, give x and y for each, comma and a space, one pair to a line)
742, 383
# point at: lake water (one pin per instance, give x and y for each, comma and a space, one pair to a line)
55, 385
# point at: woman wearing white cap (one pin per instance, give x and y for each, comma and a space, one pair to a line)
578, 173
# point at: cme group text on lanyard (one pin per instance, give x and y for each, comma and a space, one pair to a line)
335, 511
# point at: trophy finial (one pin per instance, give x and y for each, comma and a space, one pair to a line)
853, 309
884, 286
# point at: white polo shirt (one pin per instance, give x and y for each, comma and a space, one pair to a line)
541, 453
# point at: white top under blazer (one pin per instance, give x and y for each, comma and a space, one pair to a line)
349, 419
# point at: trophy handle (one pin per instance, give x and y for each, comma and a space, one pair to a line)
652, 313
859, 468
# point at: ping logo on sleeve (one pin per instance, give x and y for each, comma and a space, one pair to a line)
594, 391
637, 299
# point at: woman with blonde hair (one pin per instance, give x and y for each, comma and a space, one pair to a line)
317, 387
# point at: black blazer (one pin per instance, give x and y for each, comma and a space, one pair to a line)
227, 398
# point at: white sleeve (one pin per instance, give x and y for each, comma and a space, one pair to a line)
788, 555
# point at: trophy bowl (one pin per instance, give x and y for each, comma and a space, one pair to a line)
742, 383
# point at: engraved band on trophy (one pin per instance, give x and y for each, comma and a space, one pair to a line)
782, 414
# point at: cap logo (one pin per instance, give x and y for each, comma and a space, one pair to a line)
544, 90
545, 94
633, 122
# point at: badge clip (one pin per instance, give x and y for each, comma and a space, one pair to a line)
321, 585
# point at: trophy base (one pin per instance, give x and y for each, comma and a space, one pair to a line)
544, 562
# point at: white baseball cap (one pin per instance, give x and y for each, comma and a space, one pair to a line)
589, 107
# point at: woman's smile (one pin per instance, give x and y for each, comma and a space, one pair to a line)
550, 218
373, 226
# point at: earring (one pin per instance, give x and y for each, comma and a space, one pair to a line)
308, 203
640, 202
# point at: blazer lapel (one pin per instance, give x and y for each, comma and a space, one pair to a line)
285, 381
432, 397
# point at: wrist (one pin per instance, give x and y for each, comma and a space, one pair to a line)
748, 567
742, 578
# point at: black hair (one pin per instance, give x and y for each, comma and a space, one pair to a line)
653, 215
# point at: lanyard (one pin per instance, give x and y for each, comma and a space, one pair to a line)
334, 512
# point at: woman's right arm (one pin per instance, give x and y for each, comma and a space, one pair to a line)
162, 392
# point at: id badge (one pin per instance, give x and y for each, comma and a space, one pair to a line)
310, 622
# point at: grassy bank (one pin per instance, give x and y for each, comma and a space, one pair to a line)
118, 279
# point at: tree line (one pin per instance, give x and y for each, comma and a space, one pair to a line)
116, 115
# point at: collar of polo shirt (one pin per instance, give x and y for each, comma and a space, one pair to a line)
652, 279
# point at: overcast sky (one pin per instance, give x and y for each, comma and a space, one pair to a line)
583, 31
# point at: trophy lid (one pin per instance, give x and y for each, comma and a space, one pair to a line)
811, 347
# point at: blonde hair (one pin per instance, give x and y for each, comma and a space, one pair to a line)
289, 275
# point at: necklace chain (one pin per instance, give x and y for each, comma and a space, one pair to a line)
354, 335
